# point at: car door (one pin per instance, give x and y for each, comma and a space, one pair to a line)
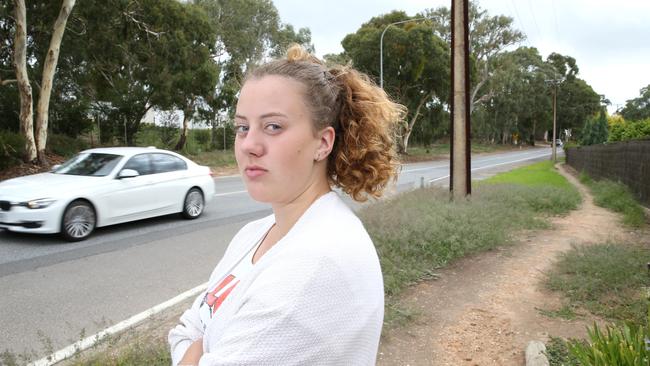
133, 198
170, 181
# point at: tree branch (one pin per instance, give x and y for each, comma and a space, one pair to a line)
7, 81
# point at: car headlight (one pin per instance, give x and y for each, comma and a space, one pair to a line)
39, 203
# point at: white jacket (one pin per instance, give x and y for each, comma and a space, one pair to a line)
315, 298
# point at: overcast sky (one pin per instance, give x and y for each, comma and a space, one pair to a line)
610, 39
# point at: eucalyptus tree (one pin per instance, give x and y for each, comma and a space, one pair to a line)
637, 109
415, 63
489, 36
141, 54
35, 134
247, 33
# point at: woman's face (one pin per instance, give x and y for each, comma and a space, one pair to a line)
275, 145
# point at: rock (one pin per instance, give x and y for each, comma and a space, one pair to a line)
536, 354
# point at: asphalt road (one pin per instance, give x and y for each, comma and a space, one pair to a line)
55, 293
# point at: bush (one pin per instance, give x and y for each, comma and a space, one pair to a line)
12, 149
595, 130
625, 131
65, 146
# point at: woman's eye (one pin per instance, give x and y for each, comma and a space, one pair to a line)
273, 127
239, 129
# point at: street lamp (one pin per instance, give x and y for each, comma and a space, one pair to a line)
381, 48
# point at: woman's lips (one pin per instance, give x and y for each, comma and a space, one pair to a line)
254, 171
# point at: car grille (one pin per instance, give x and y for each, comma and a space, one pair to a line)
5, 205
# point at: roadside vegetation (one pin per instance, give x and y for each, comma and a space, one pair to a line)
609, 280
618, 198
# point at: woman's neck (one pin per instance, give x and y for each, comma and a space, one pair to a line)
287, 214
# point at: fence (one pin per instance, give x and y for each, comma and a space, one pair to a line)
626, 162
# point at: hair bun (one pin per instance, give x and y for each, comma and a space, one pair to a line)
297, 53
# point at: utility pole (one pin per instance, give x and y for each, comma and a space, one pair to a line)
460, 174
554, 83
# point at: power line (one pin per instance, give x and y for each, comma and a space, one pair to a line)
539, 33
557, 32
521, 24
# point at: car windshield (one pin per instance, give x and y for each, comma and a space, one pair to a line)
89, 164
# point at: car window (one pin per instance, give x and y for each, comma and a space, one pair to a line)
96, 165
140, 163
163, 163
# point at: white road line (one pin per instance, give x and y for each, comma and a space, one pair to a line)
493, 165
229, 193
88, 342
478, 160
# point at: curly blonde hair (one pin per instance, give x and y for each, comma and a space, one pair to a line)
363, 159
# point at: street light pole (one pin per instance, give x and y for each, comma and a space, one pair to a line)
381, 48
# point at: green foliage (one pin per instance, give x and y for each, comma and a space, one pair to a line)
65, 146
638, 108
617, 345
630, 130
12, 149
558, 354
618, 198
595, 130
415, 62
606, 279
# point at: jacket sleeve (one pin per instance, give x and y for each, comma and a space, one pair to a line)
297, 313
187, 331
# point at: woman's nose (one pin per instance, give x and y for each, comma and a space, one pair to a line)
252, 142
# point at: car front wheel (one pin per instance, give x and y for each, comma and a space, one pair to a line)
194, 204
79, 221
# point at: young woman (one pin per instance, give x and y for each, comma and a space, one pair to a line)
302, 286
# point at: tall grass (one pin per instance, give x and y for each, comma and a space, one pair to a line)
422, 230
616, 197
607, 279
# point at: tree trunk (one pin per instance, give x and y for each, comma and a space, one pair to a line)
187, 115
49, 68
24, 88
409, 127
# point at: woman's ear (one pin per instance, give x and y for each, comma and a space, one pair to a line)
326, 137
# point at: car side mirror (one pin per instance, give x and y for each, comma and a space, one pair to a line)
127, 173
55, 167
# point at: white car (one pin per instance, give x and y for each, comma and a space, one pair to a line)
105, 186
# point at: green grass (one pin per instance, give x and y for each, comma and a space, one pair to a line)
609, 280
566, 312
538, 174
557, 352
618, 198
215, 159
426, 152
420, 231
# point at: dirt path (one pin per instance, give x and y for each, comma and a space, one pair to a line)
484, 310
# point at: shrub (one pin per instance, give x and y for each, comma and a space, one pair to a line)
64, 145
625, 131
12, 149
618, 345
